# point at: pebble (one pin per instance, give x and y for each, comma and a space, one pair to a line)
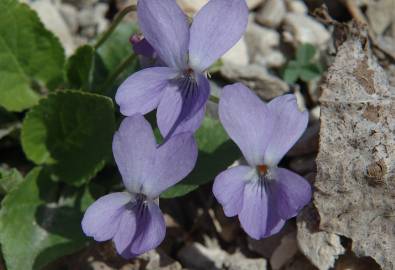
257, 78
53, 21
237, 55
297, 6
199, 257
272, 13
305, 29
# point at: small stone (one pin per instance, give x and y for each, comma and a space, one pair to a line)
238, 261
261, 43
306, 30
381, 14
70, 15
158, 260
275, 59
297, 6
257, 78
287, 249
253, 4
192, 6
272, 13
53, 21
197, 256
237, 55
100, 11
321, 248
86, 17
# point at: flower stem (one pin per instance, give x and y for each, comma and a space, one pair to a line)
114, 25
214, 99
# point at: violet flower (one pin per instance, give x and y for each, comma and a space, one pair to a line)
141, 46
180, 90
133, 219
261, 194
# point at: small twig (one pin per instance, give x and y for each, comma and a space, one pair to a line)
114, 25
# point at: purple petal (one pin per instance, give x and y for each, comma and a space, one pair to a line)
290, 193
101, 219
254, 213
141, 46
191, 124
166, 28
174, 160
126, 232
134, 149
228, 188
274, 222
181, 102
141, 92
245, 118
151, 229
289, 123
215, 29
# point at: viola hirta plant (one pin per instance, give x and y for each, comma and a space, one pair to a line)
132, 219
263, 195
180, 89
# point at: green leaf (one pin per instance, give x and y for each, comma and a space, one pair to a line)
216, 153
310, 72
35, 228
85, 69
72, 132
29, 55
291, 72
9, 179
305, 53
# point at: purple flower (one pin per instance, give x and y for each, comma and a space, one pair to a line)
141, 46
261, 194
180, 90
133, 219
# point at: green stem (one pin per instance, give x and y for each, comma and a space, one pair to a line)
131, 59
214, 99
114, 25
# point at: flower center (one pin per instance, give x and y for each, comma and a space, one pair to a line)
262, 169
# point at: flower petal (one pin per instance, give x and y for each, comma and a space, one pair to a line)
174, 160
254, 213
134, 149
142, 91
181, 102
274, 222
126, 232
245, 118
290, 193
215, 29
228, 188
165, 26
151, 229
101, 219
289, 123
